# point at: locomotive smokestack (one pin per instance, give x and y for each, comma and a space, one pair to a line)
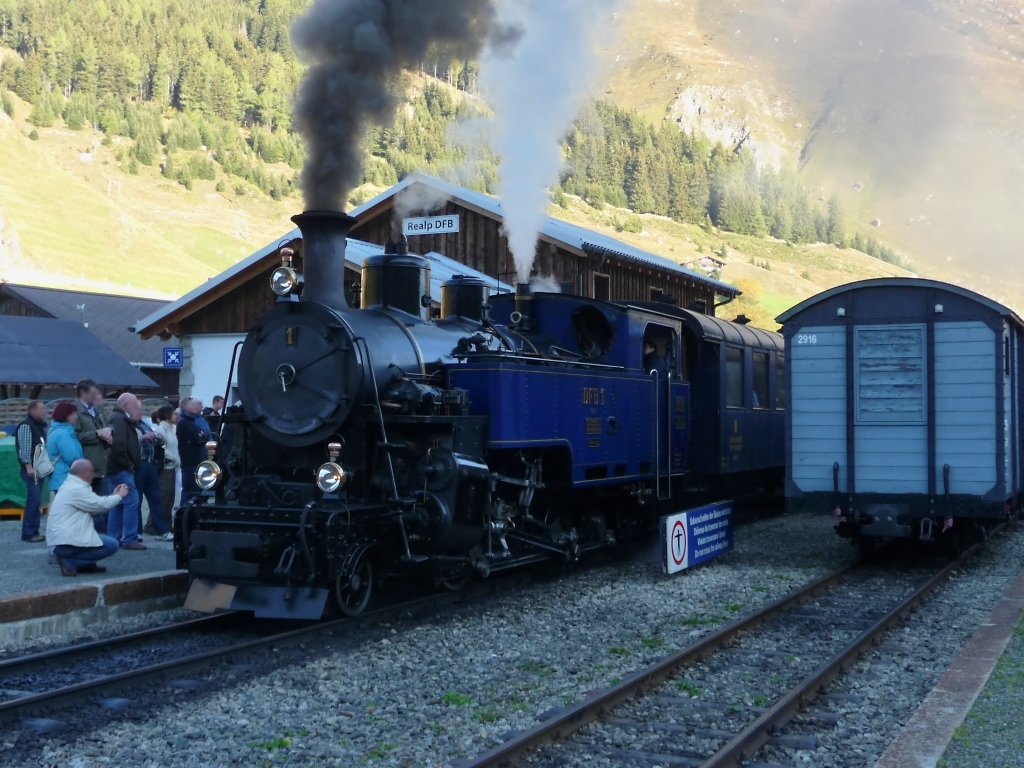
324, 240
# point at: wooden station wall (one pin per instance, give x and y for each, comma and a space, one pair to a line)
481, 245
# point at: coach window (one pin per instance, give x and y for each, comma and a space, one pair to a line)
733, 377
760, 371
780, 382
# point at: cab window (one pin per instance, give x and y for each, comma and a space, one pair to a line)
659, 350
733, 377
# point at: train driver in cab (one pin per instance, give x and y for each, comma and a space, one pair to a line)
653, 361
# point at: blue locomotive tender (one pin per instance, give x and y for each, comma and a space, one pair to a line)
380, 441
905, 409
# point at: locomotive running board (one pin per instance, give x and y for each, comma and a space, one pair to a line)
265, 602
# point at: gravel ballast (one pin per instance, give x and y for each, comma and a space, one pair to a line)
425, 690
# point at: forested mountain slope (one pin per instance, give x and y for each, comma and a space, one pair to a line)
176, 116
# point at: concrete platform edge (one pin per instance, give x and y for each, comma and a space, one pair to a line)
924, 738
16, 632
91, 595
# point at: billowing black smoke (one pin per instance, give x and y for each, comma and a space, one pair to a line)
355, 49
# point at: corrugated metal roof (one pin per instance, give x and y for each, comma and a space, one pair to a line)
40, 350
441, 268
560, 231
108, 316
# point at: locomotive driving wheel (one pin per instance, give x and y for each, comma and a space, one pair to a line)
455, 581
354, 585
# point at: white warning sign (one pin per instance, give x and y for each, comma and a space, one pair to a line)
695, 536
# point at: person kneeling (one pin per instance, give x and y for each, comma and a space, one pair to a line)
70, 532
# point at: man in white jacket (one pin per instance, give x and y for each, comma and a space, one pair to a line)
70, 532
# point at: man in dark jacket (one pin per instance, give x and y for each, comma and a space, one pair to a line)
125, 459
214, 415
192, 438
147, 481
93, 431
31, 432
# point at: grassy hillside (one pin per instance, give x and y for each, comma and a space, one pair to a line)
89, 225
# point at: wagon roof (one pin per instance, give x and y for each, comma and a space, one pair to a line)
708, 328
899, 282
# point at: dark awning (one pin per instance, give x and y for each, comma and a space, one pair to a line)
38, 350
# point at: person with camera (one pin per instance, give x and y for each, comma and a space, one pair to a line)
70, 532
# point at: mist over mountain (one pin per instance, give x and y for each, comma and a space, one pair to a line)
911, 111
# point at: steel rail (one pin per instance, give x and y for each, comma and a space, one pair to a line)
737, 751
741, 748
578, 715
66, 696
16, 665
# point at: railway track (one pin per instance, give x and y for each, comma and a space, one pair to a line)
717, 702
54, 679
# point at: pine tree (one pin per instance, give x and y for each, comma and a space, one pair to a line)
836, 230
638, 184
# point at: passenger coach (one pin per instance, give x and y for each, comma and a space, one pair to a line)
905, 403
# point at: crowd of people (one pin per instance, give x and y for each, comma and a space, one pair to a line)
99, 471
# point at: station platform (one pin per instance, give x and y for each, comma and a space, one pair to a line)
32, 590
24, 568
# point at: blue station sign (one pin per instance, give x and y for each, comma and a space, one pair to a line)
696, 536
174, 357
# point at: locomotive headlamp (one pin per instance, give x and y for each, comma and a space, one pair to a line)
211, 449
334, 450
330, 477
285, 281
208, 475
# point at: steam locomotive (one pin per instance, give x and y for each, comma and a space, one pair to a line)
381, 442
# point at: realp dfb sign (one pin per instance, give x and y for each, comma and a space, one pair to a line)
696, 536
430, 225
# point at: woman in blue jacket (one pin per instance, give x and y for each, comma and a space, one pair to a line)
62, 444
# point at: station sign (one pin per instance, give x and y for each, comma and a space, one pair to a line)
696, 536
430, 225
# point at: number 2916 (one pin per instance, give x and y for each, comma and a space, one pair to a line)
807, 338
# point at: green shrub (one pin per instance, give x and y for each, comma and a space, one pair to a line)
6, 102
34, 135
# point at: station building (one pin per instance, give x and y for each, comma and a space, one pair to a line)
211, 320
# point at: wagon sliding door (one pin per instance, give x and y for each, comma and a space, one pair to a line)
890, 408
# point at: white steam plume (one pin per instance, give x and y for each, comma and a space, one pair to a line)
536, 90
417, 200
545, 284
